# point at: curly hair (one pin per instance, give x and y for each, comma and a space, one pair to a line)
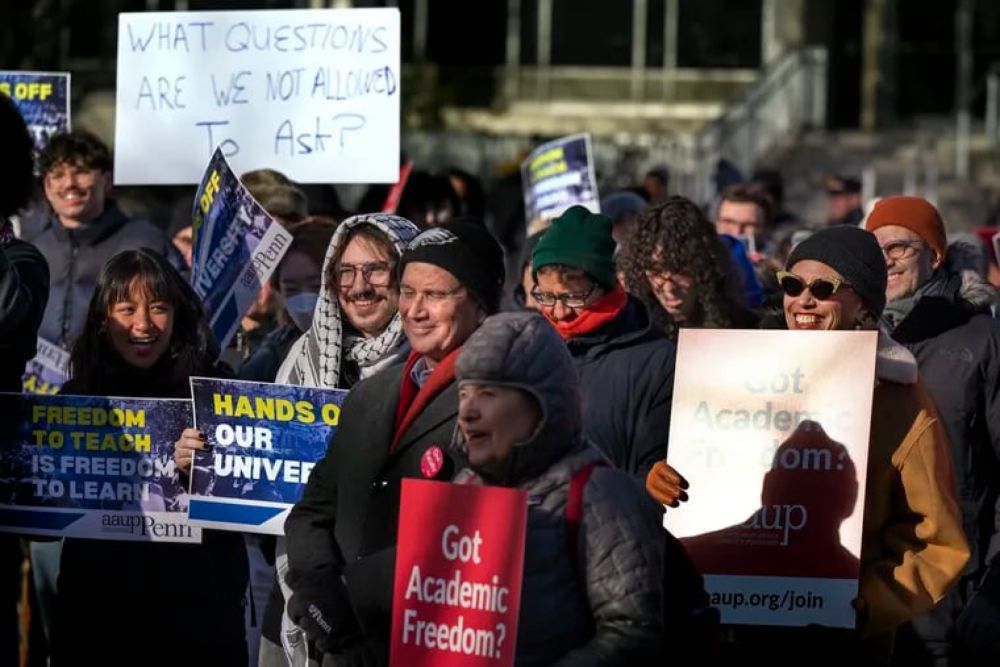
676, 237
76, 148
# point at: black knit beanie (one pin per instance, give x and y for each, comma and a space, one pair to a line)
465, 249
853, 253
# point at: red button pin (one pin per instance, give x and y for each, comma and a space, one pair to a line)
432, 461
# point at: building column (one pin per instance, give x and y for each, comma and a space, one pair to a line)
639, 10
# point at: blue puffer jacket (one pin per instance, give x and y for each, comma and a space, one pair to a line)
626, 371
75, 257
601, 605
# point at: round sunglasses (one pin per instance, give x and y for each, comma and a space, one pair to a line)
821, 288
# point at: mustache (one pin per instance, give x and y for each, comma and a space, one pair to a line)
368, 293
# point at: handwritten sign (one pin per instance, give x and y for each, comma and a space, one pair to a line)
311, 93
264, 440
43, 100
774, 445
89, 466
459, 568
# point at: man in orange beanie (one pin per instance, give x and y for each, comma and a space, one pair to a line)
942, 314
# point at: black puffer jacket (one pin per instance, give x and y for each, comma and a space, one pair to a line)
602, 604
627, 374
24, 289
75, 258
956, 341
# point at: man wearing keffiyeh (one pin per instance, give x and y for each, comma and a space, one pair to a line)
355, 332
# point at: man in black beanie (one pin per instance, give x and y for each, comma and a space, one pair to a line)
398, 424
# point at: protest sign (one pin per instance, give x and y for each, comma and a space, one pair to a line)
556, 176
264, 440
237, 246
86, 466
311, 93
771, 430
48, 371
43, 100
459, 566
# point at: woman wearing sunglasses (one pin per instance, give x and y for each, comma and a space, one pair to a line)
913, 546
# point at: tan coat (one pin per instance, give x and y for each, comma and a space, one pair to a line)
913, 546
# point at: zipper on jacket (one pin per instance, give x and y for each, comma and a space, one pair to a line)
68, 294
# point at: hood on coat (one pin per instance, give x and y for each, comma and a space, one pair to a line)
893, 362
522, 350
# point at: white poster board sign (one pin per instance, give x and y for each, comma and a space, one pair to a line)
771, 430
311, 93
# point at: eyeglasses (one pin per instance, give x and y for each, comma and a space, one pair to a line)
376, 274
901, 249
431, 296
821, 288
574, 301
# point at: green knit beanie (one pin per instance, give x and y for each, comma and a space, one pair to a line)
580, 239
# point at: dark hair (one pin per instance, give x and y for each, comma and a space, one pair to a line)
425, 192
474, 202
76, 148
677, 237
744, 193
377, 238
311, 237
16, 165
192, 347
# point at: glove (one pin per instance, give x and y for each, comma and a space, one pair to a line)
321, 606
666, 485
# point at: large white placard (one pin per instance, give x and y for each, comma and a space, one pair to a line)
311, 93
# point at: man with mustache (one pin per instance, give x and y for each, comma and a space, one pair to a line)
942, 314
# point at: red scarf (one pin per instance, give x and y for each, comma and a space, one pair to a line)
594, 316
413, 399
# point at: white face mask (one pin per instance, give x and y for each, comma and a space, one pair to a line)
300, 308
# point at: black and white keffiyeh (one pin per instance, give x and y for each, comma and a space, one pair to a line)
315, 359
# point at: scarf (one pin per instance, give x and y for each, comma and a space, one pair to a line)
594, 316
413, 399
897, 311
319, 352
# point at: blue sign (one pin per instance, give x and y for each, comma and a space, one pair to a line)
43, 100
89, 466
263, 442
237, 246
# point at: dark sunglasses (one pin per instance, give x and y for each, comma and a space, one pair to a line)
821, 288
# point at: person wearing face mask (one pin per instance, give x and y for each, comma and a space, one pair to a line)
297, 279
397, 424
684, 272
145, 336
352, 330
913, 544
625, 363
590, 593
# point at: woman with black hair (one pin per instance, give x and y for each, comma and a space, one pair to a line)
682, 270
143, 602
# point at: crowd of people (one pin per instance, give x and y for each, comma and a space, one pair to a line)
477, 354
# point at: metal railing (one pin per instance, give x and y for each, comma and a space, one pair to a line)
786, 98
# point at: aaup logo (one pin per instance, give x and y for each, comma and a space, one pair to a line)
433, 236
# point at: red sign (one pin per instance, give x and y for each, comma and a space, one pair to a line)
458, 575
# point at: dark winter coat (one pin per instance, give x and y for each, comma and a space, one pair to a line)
347, 519
24, 290
267, 357
190, 593
602, 604
75, 258
627, 375
957, 345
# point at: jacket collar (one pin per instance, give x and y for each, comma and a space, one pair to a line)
107, 223
893, 362
631, 326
